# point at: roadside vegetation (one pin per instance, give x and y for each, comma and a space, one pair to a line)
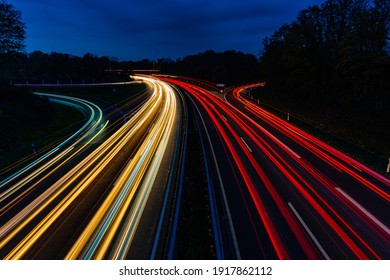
330, 68
29, 123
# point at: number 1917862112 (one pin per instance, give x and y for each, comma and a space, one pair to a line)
237, 270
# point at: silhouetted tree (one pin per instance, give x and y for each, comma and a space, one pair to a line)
272, 66
228, 67
339, 50
12, 36
12, 29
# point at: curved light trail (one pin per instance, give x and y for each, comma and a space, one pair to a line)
110, 231
122, 209
16, 186
88, 129
274, 191
298, 204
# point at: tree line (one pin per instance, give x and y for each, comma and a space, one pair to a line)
229, 67
56, 67
337, 52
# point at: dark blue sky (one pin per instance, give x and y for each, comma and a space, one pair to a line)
137, 29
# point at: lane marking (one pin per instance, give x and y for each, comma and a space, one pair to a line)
278, 141
356, 167
315, 240
224, 118
243, 141
365, 211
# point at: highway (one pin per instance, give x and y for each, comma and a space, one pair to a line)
282, 193
85, 198
181, 170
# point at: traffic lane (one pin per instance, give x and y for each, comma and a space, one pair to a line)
318, 207
346, 239
13, 205
352, 216
55, 192
74, 219
375, 204
329, 154
268, 224
112, 228
145, 236
247, 233
318, 224
276, 178
39, 183
249, 200
51, 243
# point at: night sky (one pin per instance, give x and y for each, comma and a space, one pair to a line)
136, 29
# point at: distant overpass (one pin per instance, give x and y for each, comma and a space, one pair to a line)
137, 71
146, 72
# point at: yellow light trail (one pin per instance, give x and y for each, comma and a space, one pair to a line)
122, 209
156, 119
87, 130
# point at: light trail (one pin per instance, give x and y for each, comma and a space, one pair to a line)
342, 162
325, 203
29, 178
212, 111
279, 173
123, 204
321, 149
148, 133
87, 130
